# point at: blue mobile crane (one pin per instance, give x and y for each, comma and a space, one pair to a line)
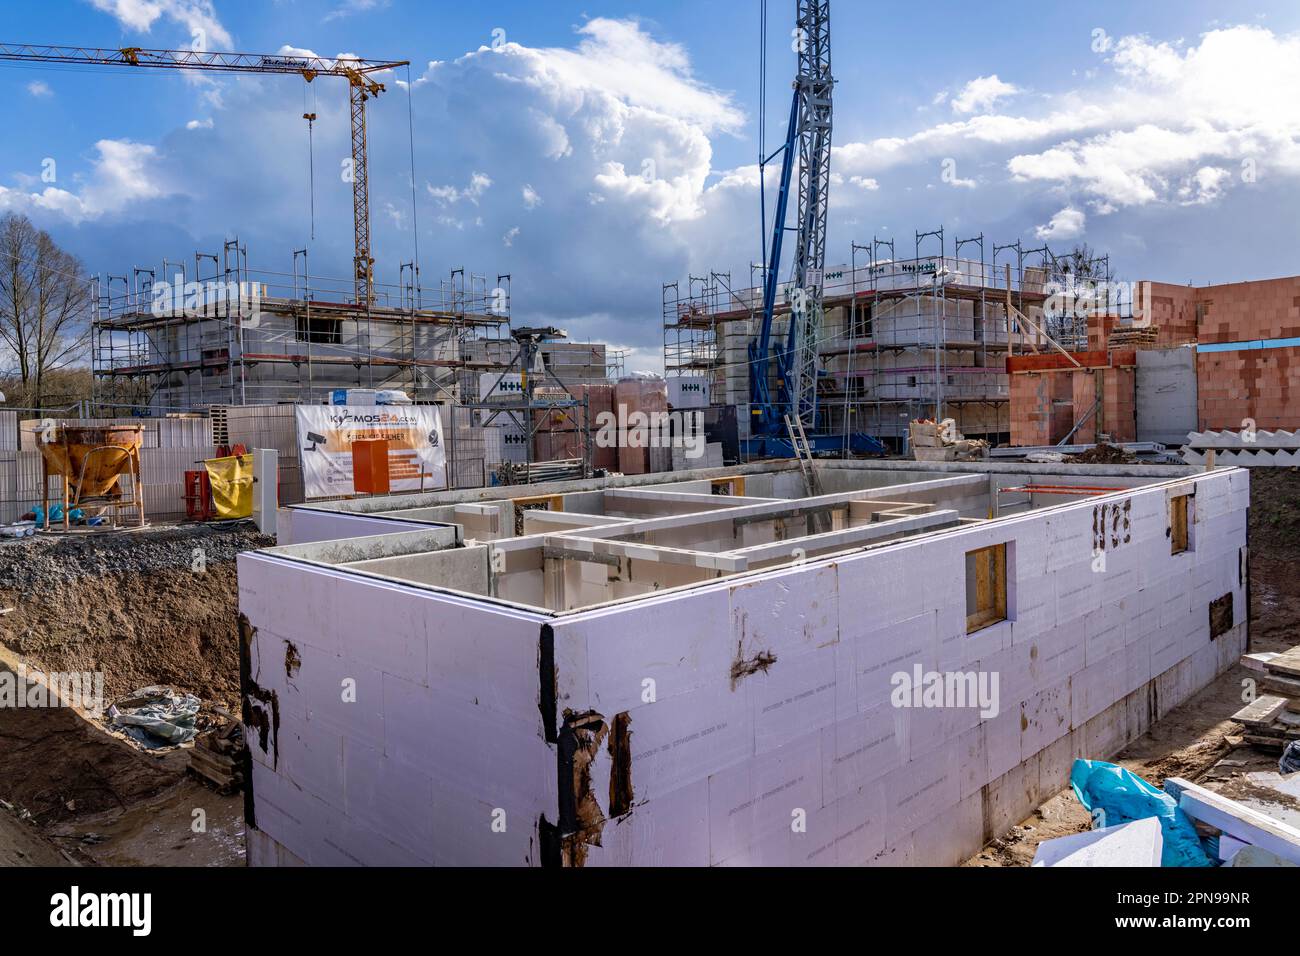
785, 425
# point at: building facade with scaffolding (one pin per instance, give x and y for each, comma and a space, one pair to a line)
920, 332
212, 331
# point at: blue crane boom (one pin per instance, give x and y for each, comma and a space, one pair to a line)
808, 138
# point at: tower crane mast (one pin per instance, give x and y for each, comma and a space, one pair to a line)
775, 420
814, 88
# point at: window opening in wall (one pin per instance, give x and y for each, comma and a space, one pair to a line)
986, 587
1178, 539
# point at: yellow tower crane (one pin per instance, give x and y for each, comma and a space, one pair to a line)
361, 87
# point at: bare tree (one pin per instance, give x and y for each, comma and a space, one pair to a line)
1080, 261
45, 300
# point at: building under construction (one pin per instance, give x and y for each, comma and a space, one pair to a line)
211, 331
906, 334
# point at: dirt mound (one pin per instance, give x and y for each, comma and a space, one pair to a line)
172, 627
36, 566
153, 608
1275, 512
53, 764
1102, 454
22, 844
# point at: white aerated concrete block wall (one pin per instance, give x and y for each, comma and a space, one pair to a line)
402, 725
750, 721
307, 526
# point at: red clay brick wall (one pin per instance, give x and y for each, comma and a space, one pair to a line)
1173, 313
1119, 404
1031, 409
1259, 384
1084, 385
1245, 311
1046, 405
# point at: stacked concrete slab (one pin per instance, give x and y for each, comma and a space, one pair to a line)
1244, 448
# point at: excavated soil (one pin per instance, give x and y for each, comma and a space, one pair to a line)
151, 607
145, 608
167, 627
1274, 558
23, 844
1103, 454
55, 765
1190, 740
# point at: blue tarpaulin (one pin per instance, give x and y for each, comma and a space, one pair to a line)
1114, 795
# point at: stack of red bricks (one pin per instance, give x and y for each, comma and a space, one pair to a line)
649, 396
1099, 329
559, 432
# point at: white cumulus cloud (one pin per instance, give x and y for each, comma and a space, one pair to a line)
199, 17
122, 175
1066, 224
981, 94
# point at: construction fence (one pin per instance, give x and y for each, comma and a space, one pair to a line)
174, 445
171, 447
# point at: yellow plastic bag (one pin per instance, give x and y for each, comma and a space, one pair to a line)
232, 485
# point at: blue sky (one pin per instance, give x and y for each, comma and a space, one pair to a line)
595, 150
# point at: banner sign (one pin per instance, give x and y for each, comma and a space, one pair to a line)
416, 456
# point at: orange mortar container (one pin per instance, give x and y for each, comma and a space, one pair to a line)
370, 467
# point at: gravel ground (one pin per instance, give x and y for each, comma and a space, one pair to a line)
28, 565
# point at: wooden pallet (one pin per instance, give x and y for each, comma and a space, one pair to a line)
218, 756
1272, 720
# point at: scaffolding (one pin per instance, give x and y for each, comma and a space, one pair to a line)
907, 334
212, 331
693, 325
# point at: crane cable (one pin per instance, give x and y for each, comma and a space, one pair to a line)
311, 156
415, 219
762, 128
